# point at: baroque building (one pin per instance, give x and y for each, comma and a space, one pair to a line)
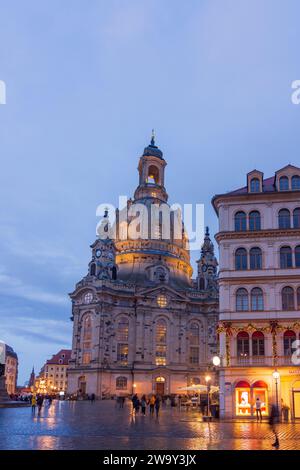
141, 323
259, 281
53, 377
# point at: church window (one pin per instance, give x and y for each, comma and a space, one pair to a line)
194, 355
122, 329
162, 301
122, 340
122, 353
153, 175
87, 340
121, 383
88, 298
161, 343
194, 343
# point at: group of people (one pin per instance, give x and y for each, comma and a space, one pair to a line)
154, 403
37, 401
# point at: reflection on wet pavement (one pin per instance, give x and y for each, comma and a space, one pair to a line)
102, 425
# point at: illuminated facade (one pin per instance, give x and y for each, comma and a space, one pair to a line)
141, 323
259, 282
11, 369
53, 377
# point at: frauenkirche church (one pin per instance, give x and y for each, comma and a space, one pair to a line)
141, 322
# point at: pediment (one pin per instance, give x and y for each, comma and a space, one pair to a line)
163, 289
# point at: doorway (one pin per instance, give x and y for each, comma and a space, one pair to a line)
296, 403
160, 386
82, 385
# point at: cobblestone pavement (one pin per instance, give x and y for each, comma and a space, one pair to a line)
102, 425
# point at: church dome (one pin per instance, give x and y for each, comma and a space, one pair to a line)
159, 248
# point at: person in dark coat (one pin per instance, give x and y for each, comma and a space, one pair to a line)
157, 405
136, 403
39, 402
273, 421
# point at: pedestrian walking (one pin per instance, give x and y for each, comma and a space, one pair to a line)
143, 405
39, 402
152, 403
33, 403
93, 397
258, 409
157, 405
135, 403
273, 421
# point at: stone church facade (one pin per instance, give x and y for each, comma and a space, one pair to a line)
141, 323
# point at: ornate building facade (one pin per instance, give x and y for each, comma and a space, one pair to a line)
259, 281
140, 322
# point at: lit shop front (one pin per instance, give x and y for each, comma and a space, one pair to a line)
246, 396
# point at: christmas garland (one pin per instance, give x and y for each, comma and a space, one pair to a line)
273, 328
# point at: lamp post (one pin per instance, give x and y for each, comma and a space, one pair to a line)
276, 376
207, 380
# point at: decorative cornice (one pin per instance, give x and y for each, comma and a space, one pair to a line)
249, 234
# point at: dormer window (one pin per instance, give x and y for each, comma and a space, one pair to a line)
284, 183
296, 182
254, 185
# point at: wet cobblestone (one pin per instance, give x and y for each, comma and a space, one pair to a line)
102, 425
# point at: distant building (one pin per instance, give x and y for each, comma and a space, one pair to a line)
259, 281
11, 369
53, 377
31, 379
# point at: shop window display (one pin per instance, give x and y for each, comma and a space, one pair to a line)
245, 397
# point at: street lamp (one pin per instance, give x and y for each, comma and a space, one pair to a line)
216, 361
276, 376
207, 380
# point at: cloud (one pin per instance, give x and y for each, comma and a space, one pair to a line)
38, 330
38, 251
14, 287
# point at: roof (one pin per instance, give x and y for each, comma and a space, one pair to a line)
10, 352
268, 187
62, 357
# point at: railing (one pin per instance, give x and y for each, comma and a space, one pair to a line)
259, 361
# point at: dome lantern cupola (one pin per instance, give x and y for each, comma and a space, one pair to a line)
151, 174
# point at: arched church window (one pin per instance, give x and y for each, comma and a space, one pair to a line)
194, 343
122, 329
161, 343
87, 328
153, 175
122, 340
87, 339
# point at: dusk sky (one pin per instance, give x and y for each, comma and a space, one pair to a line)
86, 82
